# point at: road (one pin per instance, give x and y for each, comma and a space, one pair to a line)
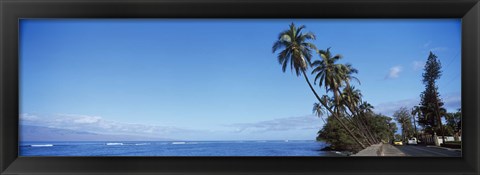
424, 151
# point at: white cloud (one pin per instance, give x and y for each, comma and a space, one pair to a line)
304, 127
389, 108
97, 124
427, 47
394, 72
452, 101
418, 65
280, 124
28, 117
87, 119
437, 49
427, 44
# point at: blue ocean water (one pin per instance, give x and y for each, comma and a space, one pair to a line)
176, 148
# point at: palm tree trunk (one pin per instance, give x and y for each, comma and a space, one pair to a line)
361, 128
356, 126
367, 123
330, 110
353, 121
439, 118
362, 124
415, 126
368, 134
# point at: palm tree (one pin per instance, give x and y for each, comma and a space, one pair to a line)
296, 49
403, 117
366, 107
351, 98
416, 111
441, 112
349, 71
454, 122
433, 111
331, 75
297, 53
318, 110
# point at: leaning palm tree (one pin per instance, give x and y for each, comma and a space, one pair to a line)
297, 53
332, 75
351, 98
319, 111
296, 49
366, 107
349, 71
329, 73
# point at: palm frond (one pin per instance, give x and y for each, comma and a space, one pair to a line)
284, 66
337, 57
299, 30
297, 51
317, 109
283, 56
308, 35
356, 79
283, 33
278, 45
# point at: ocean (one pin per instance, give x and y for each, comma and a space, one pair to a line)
176, 148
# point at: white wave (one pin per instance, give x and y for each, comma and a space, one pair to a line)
178, 143
111, 144
142, 143
42, 145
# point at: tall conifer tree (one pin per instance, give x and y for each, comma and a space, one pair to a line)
431, 104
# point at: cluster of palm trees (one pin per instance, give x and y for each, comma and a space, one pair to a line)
341, 100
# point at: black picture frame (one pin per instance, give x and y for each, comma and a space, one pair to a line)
12, 10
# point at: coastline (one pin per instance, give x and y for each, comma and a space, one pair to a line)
338, 152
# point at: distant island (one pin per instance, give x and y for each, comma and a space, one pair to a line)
30, 133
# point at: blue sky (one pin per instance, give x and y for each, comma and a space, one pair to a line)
216, 79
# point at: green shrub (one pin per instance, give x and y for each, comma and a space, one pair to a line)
339, 139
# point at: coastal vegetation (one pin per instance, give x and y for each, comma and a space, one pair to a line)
349, 122
382, 126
